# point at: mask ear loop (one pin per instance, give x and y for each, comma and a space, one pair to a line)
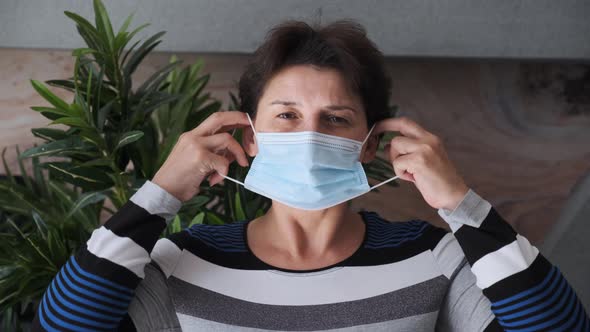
386, 181
256, 136
368, 135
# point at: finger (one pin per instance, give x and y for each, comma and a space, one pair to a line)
225, 142
221, 121
403, 167
219, 166
404, 125
400, 145
214, 178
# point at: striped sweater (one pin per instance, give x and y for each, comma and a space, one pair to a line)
405, 276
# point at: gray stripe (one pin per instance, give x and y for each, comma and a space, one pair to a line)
414, 300
425, 322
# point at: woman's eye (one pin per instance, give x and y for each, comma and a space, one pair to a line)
286, 116
337, 119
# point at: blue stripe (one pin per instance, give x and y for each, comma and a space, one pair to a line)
580, 321
91, 294
73, 317
389, 231
61, 322
217, 237
392, 245
234, 228
545, 293
217, 229
85, 301
398, 235
383, 222
396, 241
77, 307
125, 297
547, 313
395, 237
576, 317
42, 320
222, 247
532, 290
554, 320
214, 234
549, 301
220, 244
379, 222
100, 279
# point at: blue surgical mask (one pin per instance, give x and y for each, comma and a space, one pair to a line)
307, 170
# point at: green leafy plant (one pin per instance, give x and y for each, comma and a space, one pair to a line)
116, 137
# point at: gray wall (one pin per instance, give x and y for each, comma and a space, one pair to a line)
539, 29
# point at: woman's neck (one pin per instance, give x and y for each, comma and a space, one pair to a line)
307, 238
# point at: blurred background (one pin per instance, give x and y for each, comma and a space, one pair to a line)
505, 84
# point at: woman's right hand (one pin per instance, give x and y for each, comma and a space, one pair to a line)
200, 153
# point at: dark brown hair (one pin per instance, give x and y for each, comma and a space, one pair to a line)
342, 45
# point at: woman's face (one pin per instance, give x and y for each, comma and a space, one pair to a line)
307, 98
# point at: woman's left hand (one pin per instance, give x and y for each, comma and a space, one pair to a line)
420, 157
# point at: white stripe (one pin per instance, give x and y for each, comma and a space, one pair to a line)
166, 254
335, 285
155, 200
504, 262
448, 254
119, 250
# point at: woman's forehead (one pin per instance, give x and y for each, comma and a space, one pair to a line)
305, 85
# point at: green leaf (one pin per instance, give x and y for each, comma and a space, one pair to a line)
41, 225
155, 80
240, 214
51, 110
29, 241
55, 147
6, 168
198, 219
214, 219
84, 25
125, 25
97, 162
196, 202
87, 199
23, 171
129, 137
143, 50
49, 96
175, 225
78, 52
80, 176
103, 23
103, 113
72, 122
49, 133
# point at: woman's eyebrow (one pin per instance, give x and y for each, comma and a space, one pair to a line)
329, 107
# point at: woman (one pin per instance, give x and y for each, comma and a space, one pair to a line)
313, 102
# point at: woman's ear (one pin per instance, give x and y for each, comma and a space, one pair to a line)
370, 150
249, 141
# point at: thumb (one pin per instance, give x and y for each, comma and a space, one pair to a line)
401, 164
219, 166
